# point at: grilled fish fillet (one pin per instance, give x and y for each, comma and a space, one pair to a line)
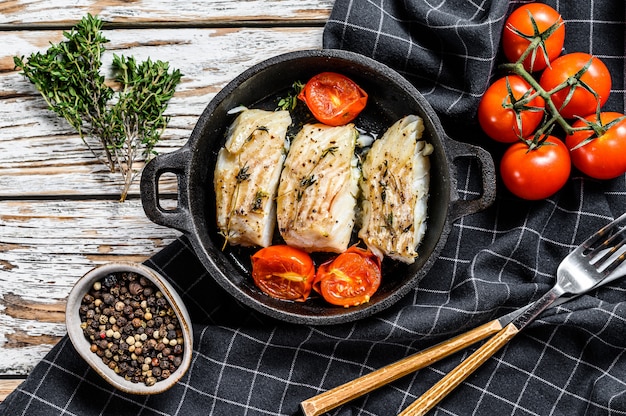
246, 176
395, 190
318, 189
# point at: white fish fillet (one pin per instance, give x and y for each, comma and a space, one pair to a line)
318, 189
395, 188
246, 176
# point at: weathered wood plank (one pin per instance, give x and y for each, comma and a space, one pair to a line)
51, 229
45, 246
7, 386
40, 154
195, 12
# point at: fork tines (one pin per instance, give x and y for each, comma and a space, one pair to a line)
607, 248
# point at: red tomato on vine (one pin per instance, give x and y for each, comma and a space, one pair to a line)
604, 156
533, 21
498, 116
578, 99
536, 172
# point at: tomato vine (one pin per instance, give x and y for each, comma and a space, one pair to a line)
568, 91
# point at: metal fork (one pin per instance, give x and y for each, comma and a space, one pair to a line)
596, 259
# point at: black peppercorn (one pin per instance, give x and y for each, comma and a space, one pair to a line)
135, 288
132, 328
108, 298
109, 280
128, 311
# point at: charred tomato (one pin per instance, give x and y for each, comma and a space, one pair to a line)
333, 98
349, 279
283, 272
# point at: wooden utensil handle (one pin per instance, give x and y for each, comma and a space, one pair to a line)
455, 377
339, 395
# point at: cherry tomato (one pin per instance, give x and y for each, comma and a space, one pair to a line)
582, 102
349, 279
501, 123
283, 272
536, 173
334, 99
520, 21
603, 157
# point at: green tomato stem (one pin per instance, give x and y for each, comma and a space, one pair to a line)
518, 69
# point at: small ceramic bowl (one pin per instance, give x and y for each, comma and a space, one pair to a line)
83, 345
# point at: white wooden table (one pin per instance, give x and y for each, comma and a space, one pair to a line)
59, 209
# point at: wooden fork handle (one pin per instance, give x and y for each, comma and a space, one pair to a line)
339, 395
455, 377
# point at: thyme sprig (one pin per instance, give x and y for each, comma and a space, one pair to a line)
127, 122
310, 179
290, 101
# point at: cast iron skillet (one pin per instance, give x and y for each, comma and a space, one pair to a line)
390, 98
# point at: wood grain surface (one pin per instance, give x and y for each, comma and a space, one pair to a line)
59, 209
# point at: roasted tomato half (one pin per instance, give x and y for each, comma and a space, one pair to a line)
333, 99
349, 279
283, 272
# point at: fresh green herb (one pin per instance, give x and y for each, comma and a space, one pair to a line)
383, 193
243, 174
305, 183
389, 220
329, 151
257, 205
308, 181
128, 122
291, 100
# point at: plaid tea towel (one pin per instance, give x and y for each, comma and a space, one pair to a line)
572, 361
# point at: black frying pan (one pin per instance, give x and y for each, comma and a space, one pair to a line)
390, 98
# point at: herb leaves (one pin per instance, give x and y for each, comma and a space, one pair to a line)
128, 122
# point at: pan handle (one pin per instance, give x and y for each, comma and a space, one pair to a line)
175, 162
461, 207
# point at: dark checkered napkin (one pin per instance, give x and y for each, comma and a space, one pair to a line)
572, 361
